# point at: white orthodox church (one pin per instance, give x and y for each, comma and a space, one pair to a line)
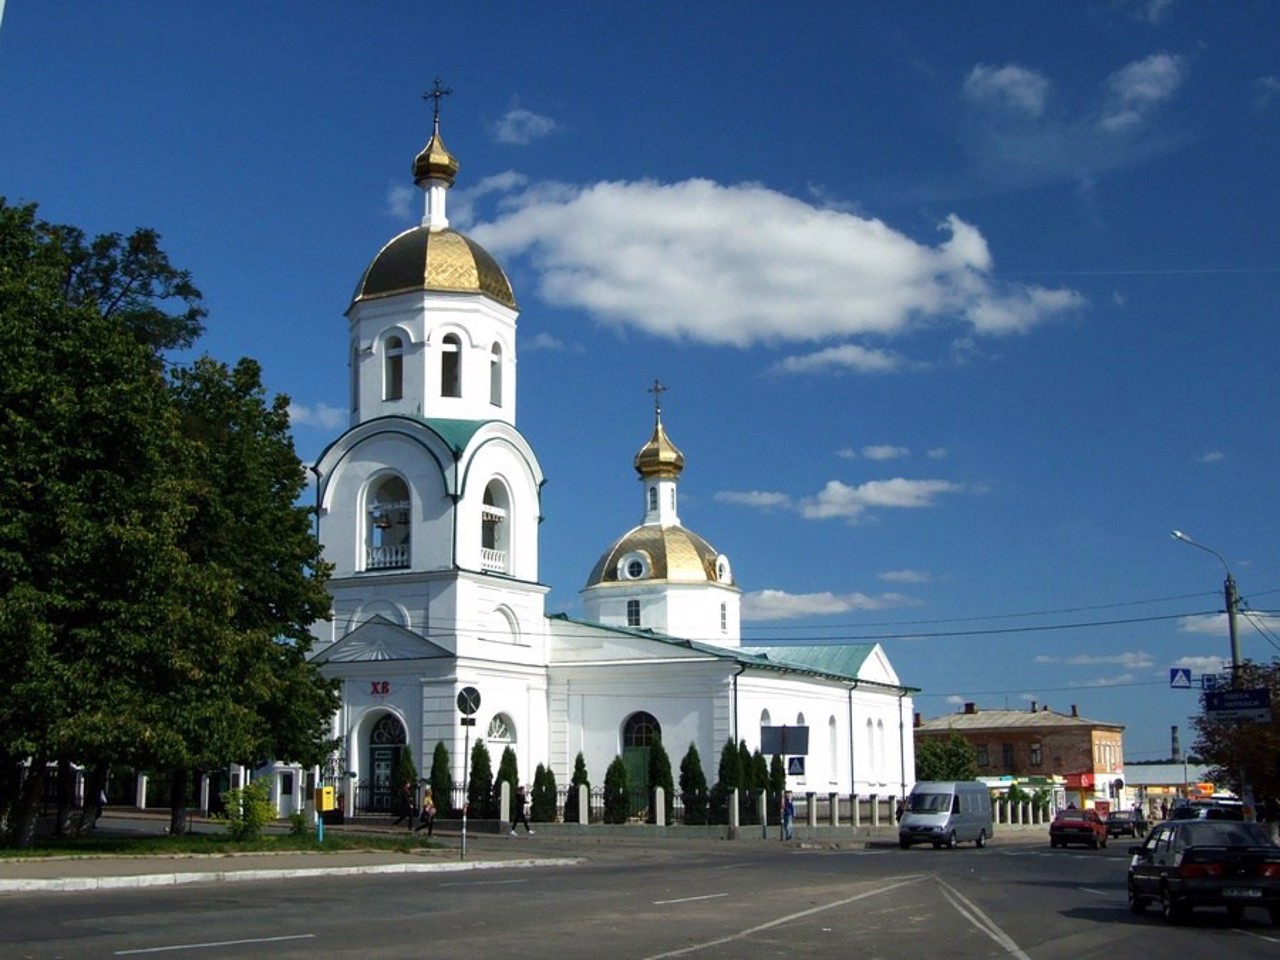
429, 510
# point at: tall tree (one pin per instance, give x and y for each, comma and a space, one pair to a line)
952, 758
90, 502
1241, 753
693, 787
442, 779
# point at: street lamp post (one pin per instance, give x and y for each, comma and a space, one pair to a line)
1232, 602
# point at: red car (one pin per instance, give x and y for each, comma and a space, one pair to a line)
1078, 826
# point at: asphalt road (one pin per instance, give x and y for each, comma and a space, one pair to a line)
667, 899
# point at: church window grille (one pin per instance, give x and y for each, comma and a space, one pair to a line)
641, 730
635, 569
633, 613
393, 369
501, 730
451, 366
495, 375
388, 730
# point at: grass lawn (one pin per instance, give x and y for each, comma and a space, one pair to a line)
216, 843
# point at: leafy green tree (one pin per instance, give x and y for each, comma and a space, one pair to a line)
542, 803
91, 503
442, 780
617, 795
952, 758
1245, 753
693, 787
579, 778
480, 783
660, 776
508, 772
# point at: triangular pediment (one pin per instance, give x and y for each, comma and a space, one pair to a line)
380, 640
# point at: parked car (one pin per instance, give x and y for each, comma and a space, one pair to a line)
1077, 826
1183, 864
1126, 823
1208, 810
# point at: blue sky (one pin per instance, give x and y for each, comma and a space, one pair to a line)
961, 309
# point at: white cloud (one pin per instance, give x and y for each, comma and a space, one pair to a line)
320, 415
1134, 90
1213, 624
544, 341
847, 357
685, 261
1109, 681
838, 499
1148, 11
1201, 665
1011, 87
1130, 661
883, 451
753, 498
956, 700
906, 576
780, 605
937, 453
1213, 456
1268, 90
521, 126
400, 201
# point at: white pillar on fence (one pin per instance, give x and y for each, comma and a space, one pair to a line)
834, 800
584, 804
875, 809
140, 792
659, 807
504, 802
811, 808
762, 812
856, 806
734, 817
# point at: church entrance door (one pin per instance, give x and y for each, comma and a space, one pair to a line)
640, 734
386, 740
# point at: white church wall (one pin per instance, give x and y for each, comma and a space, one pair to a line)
496, 459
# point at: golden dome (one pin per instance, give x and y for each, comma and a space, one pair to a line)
659, 457
651, 552
435, 162
435, 259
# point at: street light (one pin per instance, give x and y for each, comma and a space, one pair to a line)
1232, 601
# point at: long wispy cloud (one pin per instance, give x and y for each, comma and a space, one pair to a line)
838, 500
780, 605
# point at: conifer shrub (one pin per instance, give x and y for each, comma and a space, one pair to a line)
660, 776
542, 805
480, 783
508, 772
580, 778
617, 797
442, 782
693, 788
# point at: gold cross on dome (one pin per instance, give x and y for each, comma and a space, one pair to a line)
437, 93
657, 390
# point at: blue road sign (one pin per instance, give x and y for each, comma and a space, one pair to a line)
1180, 678
1252, 705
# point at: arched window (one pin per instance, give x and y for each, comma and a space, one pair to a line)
495, 375
653, 498
764, 718
873, 763
393, 369
501, 730
451, 366
388, 533
494, 529
833, 748
641, 730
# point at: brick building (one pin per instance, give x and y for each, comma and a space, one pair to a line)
1088, 755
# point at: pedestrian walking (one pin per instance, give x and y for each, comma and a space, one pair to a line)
427, 813
408, 809
519, 815
788, 815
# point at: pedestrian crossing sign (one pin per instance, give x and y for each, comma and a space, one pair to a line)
1180, 678
795, 766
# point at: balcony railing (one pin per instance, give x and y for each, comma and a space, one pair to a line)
387, 558
495, 560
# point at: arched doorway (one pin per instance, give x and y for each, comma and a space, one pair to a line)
386, 740
639, 734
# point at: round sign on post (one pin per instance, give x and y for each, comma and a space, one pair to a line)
468, 700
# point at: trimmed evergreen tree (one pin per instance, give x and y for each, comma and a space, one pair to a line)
406, 770
729, 777
579, 779
617, 796
693, 787
777, 787
480, 783
508, 772
543, 802
442, 780
660, 776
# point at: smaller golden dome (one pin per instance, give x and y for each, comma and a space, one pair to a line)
435, 162
671, 554
659, 457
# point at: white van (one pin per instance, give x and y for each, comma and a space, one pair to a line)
945, 812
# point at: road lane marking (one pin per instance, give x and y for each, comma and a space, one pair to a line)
709, 896
743, 934
212, 943
974, 915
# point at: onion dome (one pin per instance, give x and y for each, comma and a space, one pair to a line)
432, 256
435, 162
651, 552
434, 259
659, 457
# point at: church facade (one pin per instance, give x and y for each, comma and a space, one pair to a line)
429, 509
